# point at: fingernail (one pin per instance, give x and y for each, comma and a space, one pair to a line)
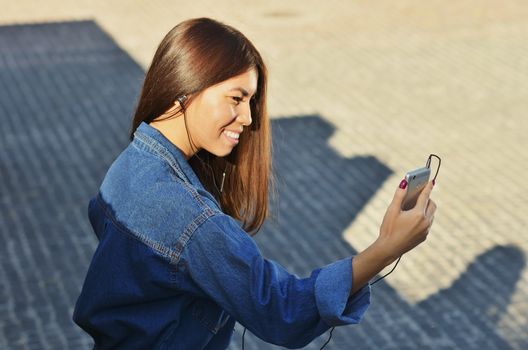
403, 184
433, 182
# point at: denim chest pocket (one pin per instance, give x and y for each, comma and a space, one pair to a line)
209, 314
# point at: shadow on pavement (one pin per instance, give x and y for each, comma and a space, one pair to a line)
68, 92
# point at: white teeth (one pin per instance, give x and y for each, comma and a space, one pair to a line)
231, 134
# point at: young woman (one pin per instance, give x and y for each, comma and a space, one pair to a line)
176, 265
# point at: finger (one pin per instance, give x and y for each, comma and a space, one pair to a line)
399, 195
429, 226
424, 196
431, 209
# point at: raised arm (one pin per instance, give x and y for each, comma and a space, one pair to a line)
400, 232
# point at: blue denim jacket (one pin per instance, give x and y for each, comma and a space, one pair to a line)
172, 271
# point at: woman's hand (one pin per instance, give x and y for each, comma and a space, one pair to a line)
401, 230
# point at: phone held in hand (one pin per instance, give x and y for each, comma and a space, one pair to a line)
416, 181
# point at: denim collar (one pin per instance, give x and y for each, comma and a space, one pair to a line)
160, 145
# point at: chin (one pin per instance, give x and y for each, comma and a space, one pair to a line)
221, 148
221, 152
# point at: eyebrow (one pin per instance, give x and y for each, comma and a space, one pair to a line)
242, 90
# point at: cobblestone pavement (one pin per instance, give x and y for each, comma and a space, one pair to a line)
359, 93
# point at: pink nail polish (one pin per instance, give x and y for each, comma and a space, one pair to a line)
433, 182
403, 184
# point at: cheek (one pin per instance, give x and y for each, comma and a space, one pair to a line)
222, 115
213, 114
212, 120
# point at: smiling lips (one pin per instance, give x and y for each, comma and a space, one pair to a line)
232, 136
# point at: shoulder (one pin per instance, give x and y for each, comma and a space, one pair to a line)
168, 212
152, 203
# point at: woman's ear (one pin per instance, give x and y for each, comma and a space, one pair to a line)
173, 111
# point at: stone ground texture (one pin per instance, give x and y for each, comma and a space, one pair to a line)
359, 92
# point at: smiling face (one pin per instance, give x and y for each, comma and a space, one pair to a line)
218, 115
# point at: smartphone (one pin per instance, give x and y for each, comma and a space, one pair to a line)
416, 181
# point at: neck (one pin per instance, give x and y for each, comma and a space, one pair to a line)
174, 130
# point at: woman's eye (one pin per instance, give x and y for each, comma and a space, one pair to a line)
236, 99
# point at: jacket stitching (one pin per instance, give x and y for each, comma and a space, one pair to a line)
189, 231
194, 193
204, 320
163, 250
162, 153
211, 325
172, 254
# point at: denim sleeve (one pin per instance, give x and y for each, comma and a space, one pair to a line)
278, 307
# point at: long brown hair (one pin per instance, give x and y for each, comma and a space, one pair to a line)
193, 56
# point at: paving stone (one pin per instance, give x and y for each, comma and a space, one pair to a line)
358, 94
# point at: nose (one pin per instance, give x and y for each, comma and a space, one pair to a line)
245, 116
